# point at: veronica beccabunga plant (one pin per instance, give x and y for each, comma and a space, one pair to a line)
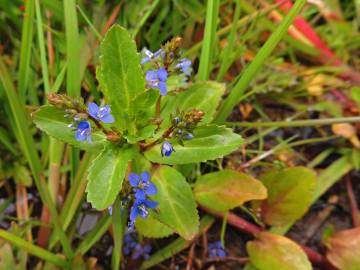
152, 116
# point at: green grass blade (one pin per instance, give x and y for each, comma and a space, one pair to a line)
35, 250
29, 149
40, 34
72, 48
25, 51
209, 39
145, 17
228, 51
118, 228
258, 62
6, 141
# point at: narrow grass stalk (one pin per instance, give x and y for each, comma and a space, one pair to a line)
297, 123
207, 50
29, 149
228, 51
145, 17
118, 218
92, 27
35, 250
40, 34
259, 60
25, 51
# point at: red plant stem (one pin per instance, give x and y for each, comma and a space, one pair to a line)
353, 204
245, 226
326, 55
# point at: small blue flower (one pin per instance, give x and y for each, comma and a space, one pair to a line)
101, 113
140, 208
142, 185
216, 249
150, 55
157, 79
188, 136
110, 210
131, 246
83, 131
185, 66
167, 149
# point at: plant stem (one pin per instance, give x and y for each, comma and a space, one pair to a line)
297, 123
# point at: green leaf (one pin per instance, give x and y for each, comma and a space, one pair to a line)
204, 96
355, 95
22, 175
210, 142
152, 228
121, 78
224, 190
51, 120
344, 249
290, 193
106, 176
270, 251
177, 207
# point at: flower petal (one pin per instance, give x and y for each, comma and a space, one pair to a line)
140, 194
151, 75
162, 74
134, 179
145, 176
151, 204
151, 189
93, 109
134, 212
108, 119
163, 88
80, 136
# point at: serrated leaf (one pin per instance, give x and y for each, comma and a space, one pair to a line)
51, 120
290, 194
344, 249
209, 142
177, 207
152, 228
121, 78
106, 175
224, 190
270, 252
204, 96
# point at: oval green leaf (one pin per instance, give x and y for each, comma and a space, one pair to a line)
210, 142
224, 190
177, 207
290, 194
51, 120
270, 252
120, 76
106, 175
152, 228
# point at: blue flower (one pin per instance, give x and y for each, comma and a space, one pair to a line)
216, 249
140, 208
149, 55
167, 149
188, 136
110, 210
142, 185
83, 131
157, 79
100, 113
131, 246
185, 66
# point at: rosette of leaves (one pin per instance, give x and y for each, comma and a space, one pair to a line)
135, 139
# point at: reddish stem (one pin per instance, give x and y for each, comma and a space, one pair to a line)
245, 226
353, 203
326, 55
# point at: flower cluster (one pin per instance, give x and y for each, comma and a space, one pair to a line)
82, 125
164, 62
216, 249
135, 249
142, 187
